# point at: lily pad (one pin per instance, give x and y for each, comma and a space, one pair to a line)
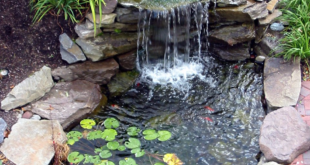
105, 154
133, 131
121, 148
87, 123
127, 161
135, 150
111, 123
133, 143
75, 157
105, 162
109, 134
73, 137
164, 135
113, 145
150, 134
94, 135
139, 154
91, 159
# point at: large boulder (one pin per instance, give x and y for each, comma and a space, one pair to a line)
127, 61
233, 34
282, 82
227, 3
122, 82
257, 10
69, 51
95, 72
239, 52
31, 141
68, 102
108, 45
284, 135
32, 88
3, 126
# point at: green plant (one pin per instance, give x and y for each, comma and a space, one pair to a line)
66, 7
92, 4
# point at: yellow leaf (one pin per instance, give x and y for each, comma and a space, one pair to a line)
172, 159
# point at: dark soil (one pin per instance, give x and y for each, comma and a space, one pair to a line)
25, 48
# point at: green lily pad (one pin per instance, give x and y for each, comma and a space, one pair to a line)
159, 163
105, 162
121, 148
97, 150
105, 154
133, 131
94, 135
135, 150
109, 134
113, 145
127, 161
139, 154
75, 157
87, 123
133, 143
111, 123
150, 134
73, 136
164, 135
0, 162
91, 159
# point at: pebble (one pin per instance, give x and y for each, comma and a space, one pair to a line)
277, 27
3, 126
4, 72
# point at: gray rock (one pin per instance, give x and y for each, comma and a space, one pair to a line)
232, 53
127, 61
257, 10
3, 126
32, 88
282, 82
98, 72
68, 102
270, 18
263, 161
284, 135
31, 142
277, 27
233, 34
113, 27
227, 3
122, 82
108, 8
83, 32
35, 117
105, 18
260, 31
270, 43
230, 14
127, 15
108, 45
272, 5
69, 51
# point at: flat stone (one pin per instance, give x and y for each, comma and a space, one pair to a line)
284, 135
127, 15
105, 18
271, 5
68, 102
276, 26
108, 8
84, 32
282, 82
260, 31
95, 72
122, 82
257, 10
32, 88
233, 34
3, 126
263, 161
270, 18
108, 45
232, 53
113, 27
127, 61
270, 43
69, 51
227, 3
31, 142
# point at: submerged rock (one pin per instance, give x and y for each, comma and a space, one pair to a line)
32, 88
282, 82
122, 82
232, 53
31, 142
69, 51
95, 72
127, 61
68, 102
3, 126
284, 135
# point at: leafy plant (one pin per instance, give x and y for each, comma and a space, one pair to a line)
92, 4
133, 131
94, 135
113, 145
105, 162
172, 159
164, 135
127, 161
75, 157
150, 134
87, 123
111, 123
105, 154
73, 137
133, 143
91, 159
109, 134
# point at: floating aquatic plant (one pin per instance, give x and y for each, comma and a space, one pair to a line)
105, 154
109, 134
73, 137
164, 135
75, 157
94, 135
111, 123
150, 134
87, 123
133, 143
133, 131
127, 161
113, 145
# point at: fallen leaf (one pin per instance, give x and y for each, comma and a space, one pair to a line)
12, 86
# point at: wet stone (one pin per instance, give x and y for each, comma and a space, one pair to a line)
277, 27
3, 126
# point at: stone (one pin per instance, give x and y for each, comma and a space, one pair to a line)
227, 3
277, 27
127, 61
31, 142
108, 45
233, 34
69, 51
257, 10
260, 31
113, 27
270, 18
27, 114
35, 117
122, 82
270, 43
127, 15
105, 18
68, 102
282, 82
83, 32
284, 135
3, 126
263, 161
232, 53
271, 5
108, 8
32, 88
95, 72
259, 51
